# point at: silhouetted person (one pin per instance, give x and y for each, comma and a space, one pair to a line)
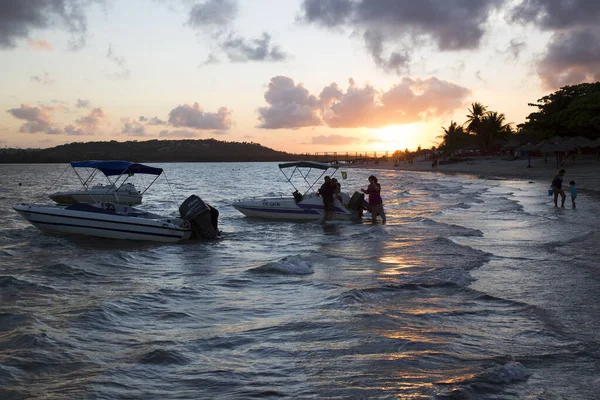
558, 189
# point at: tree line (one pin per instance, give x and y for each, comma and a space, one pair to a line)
570, 111
206, 150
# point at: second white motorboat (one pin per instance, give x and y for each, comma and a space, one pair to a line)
306, 206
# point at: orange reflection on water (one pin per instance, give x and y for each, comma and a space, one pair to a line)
411, 336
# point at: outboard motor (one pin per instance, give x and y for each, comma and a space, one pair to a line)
356, 201
201, 216
358, 204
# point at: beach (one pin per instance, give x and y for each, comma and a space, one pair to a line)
585, 170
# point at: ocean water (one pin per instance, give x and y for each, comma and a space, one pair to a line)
474, 289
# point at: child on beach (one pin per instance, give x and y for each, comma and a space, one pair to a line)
573, 192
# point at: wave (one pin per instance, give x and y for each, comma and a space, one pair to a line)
507, 205
66, 271
14, 286
163, 357
290, 265
492, 379
440, 278
445, 229
464, 206
10, 320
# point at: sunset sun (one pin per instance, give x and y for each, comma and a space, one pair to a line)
396, 137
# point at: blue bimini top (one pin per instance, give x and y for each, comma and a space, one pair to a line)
113, 167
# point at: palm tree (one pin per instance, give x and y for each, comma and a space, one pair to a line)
476, 113
493, 127
454, 137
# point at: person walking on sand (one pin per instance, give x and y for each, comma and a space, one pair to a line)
375, 200
558, 189
573, 190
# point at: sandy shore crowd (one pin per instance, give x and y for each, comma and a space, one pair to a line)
584, 170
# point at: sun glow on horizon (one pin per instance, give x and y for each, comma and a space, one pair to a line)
397, 137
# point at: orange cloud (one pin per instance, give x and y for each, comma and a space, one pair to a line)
412, 100
41, 45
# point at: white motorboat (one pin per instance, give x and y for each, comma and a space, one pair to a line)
306, 206
197, 219
116, 191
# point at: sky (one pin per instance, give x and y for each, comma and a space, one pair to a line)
301, 76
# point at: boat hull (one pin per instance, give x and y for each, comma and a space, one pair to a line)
92, 220
283, 208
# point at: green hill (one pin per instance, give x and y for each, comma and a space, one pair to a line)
208, 150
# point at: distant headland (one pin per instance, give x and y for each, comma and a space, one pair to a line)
206, 150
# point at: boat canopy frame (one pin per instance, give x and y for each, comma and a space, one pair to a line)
304, 168
111, 168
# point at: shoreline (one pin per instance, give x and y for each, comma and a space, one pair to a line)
585, 171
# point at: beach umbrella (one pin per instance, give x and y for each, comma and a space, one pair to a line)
556, 139
592, 143
511, 144
596, 144
529, 148
555, 148
577, 142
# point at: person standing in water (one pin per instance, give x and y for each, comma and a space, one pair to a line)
558, 189
326, 192
375, 200
573, 190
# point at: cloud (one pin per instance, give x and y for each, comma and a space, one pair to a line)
123, 72
515, 47
397, 61
131, 127
213, 16
403, 24
335, 140
41, 45
572, 57
216, 18
83, 103
19, 18
211, 59
411, 100
290, 106
152, 121
194, 117
556, 14
38, 118
239, 49
43, 78
573, 54
178, 134
88, 124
